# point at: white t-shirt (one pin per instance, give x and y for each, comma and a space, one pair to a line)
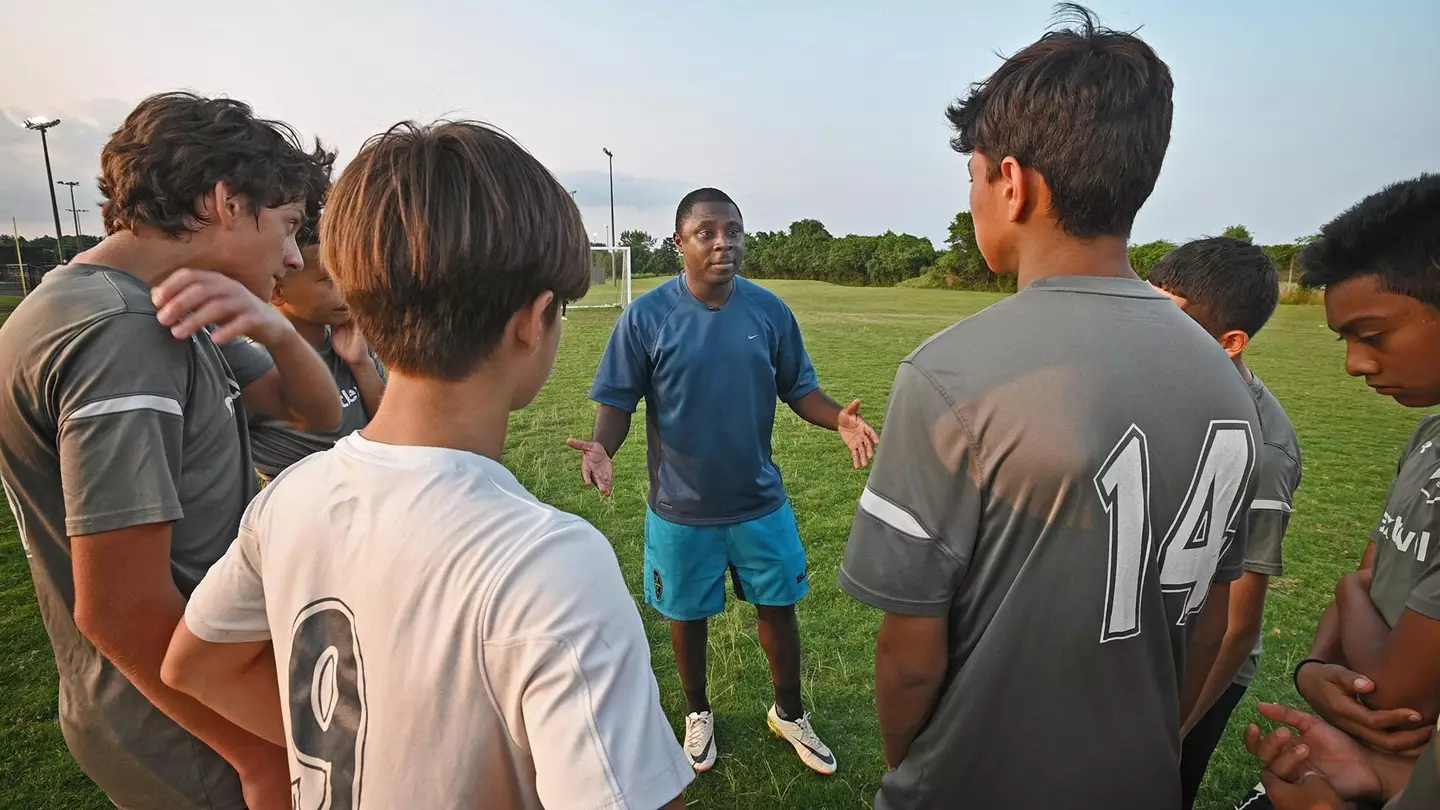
445, 639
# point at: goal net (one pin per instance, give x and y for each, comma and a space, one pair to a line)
610, 284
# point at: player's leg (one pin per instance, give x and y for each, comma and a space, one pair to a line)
768, 565
685, 581
1199, 745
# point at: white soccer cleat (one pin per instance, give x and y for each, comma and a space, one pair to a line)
700, 740
815, 754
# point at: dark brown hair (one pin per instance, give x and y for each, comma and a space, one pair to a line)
174, 147
316, 190
438, 235
1393, 234
1087, 107
1226, 283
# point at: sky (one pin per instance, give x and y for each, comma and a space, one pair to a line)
1285, 112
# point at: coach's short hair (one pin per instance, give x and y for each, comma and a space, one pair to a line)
1394, 235
1087, 107
174, 147
1227, 284
437, 235
316, 190
701, 195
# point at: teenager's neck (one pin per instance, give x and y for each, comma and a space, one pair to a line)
470, 415
148, 256
314, 333
1245, 373
711, 295
1062, 255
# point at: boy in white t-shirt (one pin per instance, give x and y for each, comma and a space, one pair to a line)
441, 638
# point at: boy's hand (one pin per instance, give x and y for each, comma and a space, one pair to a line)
1312, 792
857, 434
190, 300
1333, 690
1324, 749
595, 465
349, 344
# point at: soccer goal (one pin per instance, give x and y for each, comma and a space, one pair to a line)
610, 284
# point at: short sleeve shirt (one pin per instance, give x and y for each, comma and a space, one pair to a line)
444, 639
278, 444
1278, 477
108, 422
1066, 499
710, 379
1407, 539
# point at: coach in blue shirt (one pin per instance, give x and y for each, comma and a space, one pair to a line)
710, 352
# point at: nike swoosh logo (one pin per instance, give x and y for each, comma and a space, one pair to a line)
752, 337
828, 760
705, 753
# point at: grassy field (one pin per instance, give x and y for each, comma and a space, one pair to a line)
1350, 436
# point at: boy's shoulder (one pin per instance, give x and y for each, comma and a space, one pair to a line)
74, 297
1426, 436
1276, 429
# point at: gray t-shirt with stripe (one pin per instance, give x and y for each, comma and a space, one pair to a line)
1062, 476
107, 422
278, 444
1277, 478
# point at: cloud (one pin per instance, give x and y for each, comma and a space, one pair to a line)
75, 146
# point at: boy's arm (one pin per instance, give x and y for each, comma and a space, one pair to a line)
221, 653
1205, 647
127, 605
911, 655
1404, 663
1247, 608
298, 389
917, 523
349, 345
1327, 634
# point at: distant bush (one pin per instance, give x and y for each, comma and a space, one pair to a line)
1293, 293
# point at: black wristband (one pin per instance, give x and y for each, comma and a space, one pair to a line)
1295, 676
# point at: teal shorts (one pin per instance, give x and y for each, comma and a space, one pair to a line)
685, 566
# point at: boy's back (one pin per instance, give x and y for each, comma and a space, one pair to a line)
1083, 448
442, 636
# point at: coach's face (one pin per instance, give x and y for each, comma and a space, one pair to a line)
712, 242
1391, 340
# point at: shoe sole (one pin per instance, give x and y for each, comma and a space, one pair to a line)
773, 730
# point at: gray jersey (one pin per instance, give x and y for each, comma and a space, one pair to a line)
1277, 478
1407, 555
108, 422
277, 444
1060, 476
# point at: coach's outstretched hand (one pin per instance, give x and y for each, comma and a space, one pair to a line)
857, 434
190, 300
595, 465
1332, 691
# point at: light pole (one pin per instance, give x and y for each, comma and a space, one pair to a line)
41, 123
608, 154
74, 211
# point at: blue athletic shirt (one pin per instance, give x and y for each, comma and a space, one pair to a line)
709, 379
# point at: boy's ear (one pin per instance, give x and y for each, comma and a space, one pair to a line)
1234, 342
531, 322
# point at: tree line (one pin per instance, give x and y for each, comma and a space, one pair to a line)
810, 252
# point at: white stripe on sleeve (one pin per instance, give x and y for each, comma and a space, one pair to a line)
135, 402
891, 515
1263, 505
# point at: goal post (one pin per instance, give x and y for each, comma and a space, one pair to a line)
610, 281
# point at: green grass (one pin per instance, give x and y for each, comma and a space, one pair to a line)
1351, 440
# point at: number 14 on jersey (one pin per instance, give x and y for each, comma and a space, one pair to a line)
1196, 539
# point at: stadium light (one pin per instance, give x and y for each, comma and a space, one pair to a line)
608, 154
40, 123
73, 210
